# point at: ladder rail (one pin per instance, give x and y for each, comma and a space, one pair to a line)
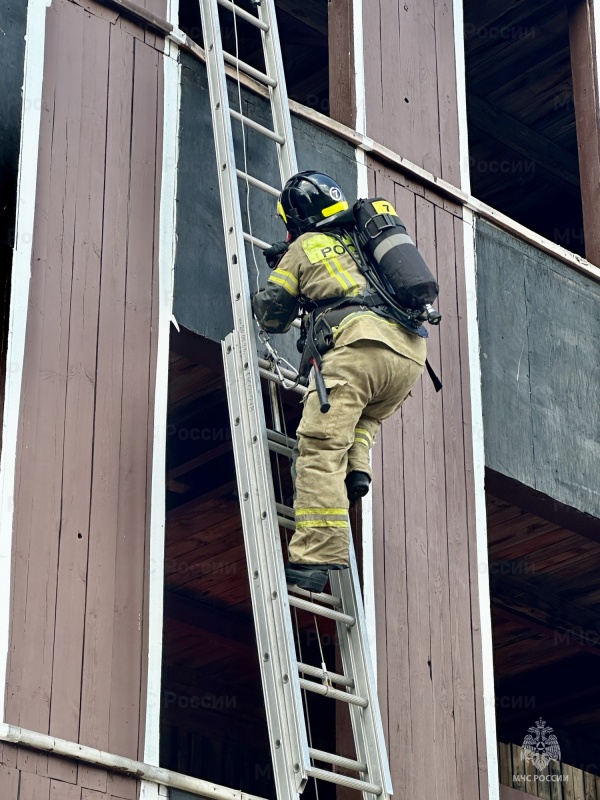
282, 121
280, 670
356, 661
283, 701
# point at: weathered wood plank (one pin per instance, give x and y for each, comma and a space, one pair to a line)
64, 791
98, 646
9, 783
132, 522
374, 91
437, 236
446, 89
39, 483
425, 40
589, 786
32, 368
342, 92
505, 763
79, 413
34, 787
394, 117
461, 612
417, 570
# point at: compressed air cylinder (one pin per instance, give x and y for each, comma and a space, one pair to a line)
392, 253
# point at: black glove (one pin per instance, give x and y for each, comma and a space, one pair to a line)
275, 253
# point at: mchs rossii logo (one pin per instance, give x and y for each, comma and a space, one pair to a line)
540, 747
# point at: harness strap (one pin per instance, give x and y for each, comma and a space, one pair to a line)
437, 384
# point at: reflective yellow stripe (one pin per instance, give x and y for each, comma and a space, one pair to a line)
321, 511
291, 286
280, 211
370, 314
321, 523
331, 210
335, 274
285, 274
362, 436
346, 274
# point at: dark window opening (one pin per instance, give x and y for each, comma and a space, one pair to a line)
521, 116
12, 26
545, 611
304, 44
213, 723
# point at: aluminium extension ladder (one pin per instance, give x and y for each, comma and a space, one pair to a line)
283, 677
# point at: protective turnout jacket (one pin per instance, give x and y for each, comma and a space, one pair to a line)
319, 267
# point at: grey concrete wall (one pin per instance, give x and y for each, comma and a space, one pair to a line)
539, 324
201, 289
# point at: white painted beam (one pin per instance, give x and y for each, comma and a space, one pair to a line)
166, 271
486, 704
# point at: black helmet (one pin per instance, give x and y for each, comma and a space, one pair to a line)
308, 198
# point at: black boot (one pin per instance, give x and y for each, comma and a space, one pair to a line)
357, 485
312, 577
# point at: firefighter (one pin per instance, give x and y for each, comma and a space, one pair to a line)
368, 372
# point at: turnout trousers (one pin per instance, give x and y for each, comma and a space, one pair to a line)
367, 382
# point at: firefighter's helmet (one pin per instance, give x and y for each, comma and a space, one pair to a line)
308, 198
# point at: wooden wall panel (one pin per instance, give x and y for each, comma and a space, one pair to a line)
17, 784
410, 82
79, 593
425, 552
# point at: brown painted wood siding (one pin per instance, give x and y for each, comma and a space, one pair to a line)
79, 596
410, 81
425, 552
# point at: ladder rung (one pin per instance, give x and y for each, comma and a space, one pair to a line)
257, 127
244, 15
305, 605
285, 511
328, 599
339, 761
267, 373
284, 522
317, 672
343, 780
275, 447
254, 73
281, 438
334, 694
259, 184
256, 241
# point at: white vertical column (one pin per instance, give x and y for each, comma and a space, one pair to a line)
19, 296
362, 190
470, 266
166, 266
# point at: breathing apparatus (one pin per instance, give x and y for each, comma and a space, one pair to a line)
399, 282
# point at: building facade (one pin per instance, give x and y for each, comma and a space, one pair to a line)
127, 650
